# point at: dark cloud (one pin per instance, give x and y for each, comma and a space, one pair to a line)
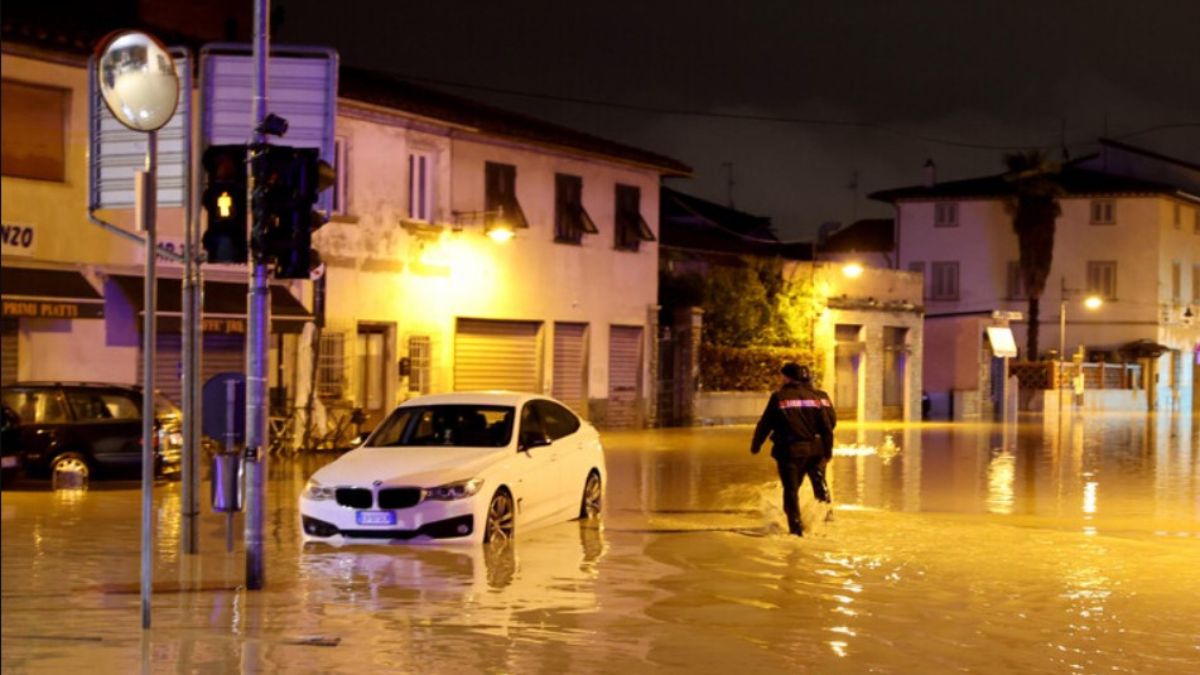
989, 72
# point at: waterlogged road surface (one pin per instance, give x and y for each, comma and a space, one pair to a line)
952, 549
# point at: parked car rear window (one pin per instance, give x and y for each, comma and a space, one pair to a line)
37, 406
102, 405
450, 425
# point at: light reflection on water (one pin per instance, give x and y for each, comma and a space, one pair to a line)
953, 547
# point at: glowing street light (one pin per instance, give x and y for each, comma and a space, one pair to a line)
1093, 302
852, 270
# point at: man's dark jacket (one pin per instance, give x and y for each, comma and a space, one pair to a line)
800, 421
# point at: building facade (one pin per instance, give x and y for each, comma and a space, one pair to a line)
1129, 232
414, 296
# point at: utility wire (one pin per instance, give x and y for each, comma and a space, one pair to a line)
810, 121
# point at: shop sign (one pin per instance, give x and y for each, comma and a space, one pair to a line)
20, 240
51, 309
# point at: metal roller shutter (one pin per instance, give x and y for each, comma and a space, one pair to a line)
8, 352
497, 355
221, 354
168, 368
624, 376
570, 365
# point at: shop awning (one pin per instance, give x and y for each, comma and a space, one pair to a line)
36, 293
224, 305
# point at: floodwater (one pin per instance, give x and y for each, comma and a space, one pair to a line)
953, 548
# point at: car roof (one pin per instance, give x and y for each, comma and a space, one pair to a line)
505, 398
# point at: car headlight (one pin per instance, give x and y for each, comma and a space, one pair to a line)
317, 492
450, 491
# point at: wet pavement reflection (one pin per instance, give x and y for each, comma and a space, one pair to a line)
953, 547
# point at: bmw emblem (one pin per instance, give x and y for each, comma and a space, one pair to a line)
377, 483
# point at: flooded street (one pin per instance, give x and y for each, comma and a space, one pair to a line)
952, 548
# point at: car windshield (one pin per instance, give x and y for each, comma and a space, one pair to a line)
463, 425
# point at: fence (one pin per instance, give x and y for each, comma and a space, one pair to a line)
1043, 374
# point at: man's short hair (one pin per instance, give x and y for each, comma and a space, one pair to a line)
795, 371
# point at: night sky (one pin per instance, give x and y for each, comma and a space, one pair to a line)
884, 85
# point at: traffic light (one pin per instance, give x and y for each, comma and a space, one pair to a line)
287, 184
224, 239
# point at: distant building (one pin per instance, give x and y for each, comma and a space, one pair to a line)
870, 242
1129, 231
869, 327
416, 299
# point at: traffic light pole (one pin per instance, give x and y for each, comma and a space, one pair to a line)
189, 537
259, 324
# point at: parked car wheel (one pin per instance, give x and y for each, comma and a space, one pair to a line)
69, 470
500, 519
593, 495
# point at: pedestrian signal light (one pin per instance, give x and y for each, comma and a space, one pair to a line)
224, 238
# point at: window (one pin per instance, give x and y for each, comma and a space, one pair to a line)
571, 221
1178, 220
37, 407
419, 361
1196, 221
557, 420
631, 228
918, 266
1176, 282
1102, 278
944, 282
372, 366
331, 366
1196, 284
463, 426
500, 195
945, 214
420, 186
1103, 212
33, 134
1016, 281
91, 406
341, 165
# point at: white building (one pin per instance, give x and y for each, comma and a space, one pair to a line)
416, 298
1129, 232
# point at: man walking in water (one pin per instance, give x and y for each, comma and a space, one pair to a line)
800, 421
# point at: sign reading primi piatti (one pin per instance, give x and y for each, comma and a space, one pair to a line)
50, 309
20, 240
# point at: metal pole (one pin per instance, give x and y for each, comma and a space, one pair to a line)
146, 222
1062, 341
189, 538
256, 350
230, 447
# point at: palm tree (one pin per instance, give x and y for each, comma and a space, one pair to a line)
1034, 207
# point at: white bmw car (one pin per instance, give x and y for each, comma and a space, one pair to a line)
472, 467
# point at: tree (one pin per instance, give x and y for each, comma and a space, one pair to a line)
1034, 208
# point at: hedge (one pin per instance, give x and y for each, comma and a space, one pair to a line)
750, 368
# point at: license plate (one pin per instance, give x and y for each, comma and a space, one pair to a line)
8, 462
376, 518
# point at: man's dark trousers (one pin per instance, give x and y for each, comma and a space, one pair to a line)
793, 467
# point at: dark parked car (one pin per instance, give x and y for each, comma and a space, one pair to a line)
91, 430
10, 458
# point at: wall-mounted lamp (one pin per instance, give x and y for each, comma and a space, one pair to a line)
852, 270
495, 225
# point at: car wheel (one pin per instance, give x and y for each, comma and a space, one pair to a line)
69, 470
501, 520
593, 495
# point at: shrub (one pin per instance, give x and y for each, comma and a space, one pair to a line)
751, 368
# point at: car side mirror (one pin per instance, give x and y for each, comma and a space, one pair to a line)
531, 440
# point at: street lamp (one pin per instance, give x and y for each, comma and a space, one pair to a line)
140, 86
852, 270
1091, 302
498, 228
